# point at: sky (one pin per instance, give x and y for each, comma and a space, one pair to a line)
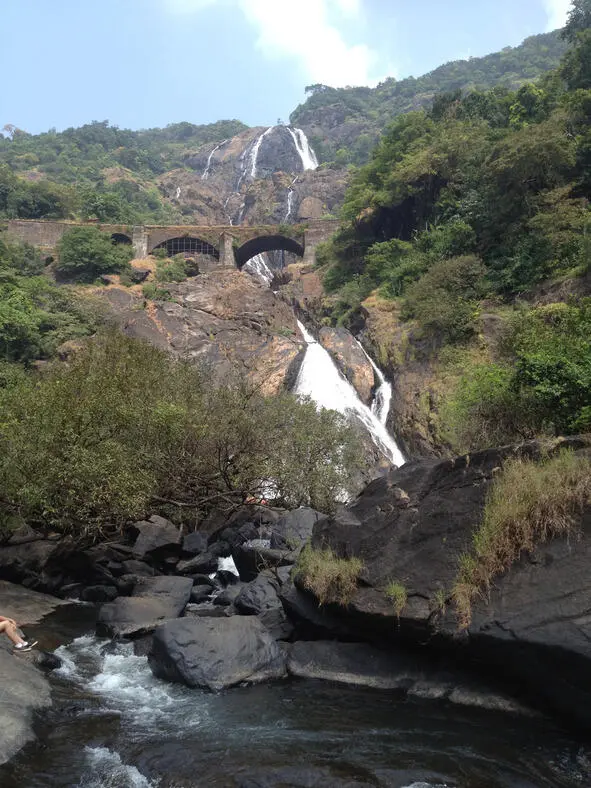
148, 63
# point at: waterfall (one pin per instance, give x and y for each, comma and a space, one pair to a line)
254, 153
178, 192
257, 266
383, 396
205, 175
290, 194
320, 379
307, 155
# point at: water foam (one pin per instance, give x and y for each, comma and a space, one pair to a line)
107, 770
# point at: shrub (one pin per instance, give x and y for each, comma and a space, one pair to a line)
445, 300
529, 503
398, 595
152, 292
331, 579
485, 409
173, 270
84, 253
124, 430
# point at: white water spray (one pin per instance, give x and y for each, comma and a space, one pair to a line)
320, 379
307, 155
207, 169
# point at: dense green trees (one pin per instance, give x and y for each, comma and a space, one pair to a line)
124, 430
487, 196
36, 316
84, 253
364, 113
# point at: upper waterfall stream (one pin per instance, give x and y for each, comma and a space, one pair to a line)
320, 379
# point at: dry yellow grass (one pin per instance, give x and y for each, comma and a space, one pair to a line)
529, 503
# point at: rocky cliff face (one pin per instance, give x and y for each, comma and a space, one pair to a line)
410, 527
260, 176
227, 320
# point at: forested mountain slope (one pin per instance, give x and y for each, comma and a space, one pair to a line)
465, 253
345, 123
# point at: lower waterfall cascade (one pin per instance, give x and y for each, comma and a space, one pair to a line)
320, 379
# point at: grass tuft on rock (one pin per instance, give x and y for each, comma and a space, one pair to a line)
529, 503
331, 579
398, 595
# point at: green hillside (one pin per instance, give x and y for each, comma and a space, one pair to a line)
344, 123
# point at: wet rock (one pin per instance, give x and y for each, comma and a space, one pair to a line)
154, 600
215, 654
310, 619
48, 661
139, 568
254, 556
350, 359
275, 620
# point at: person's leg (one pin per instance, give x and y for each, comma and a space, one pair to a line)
11, 633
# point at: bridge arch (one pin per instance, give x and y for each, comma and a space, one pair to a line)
266, 243
120, 238
187, 244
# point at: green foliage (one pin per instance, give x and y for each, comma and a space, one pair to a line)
366, 112
579, 19
152, 292
123, 428
172, 270
398, 595
445, 300
529, 503
332, 580
84, 253
36, 316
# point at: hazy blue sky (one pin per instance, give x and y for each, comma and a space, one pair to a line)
142, 63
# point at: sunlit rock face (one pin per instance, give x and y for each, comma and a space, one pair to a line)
261, 176
228, 321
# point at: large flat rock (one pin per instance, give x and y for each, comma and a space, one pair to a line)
23, 687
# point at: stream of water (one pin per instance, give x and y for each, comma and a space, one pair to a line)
114, 725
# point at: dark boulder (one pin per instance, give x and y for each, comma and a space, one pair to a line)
215, 653
139, 568
258, 596
199, 564
294, 529
98, 595
228, 596
25, 563
255, 555
156, 537
194, 543
155, 599
200, 593
411, 526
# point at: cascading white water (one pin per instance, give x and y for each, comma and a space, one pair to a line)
178, 192
257, 266
207, 169
320, 379
290, 195
383, 396
307, 155
254, 153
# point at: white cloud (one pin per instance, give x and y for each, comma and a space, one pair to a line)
308, 33
557, 11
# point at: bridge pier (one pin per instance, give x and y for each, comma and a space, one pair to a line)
139, 240
226, 249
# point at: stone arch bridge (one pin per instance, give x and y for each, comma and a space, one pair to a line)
214, 246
